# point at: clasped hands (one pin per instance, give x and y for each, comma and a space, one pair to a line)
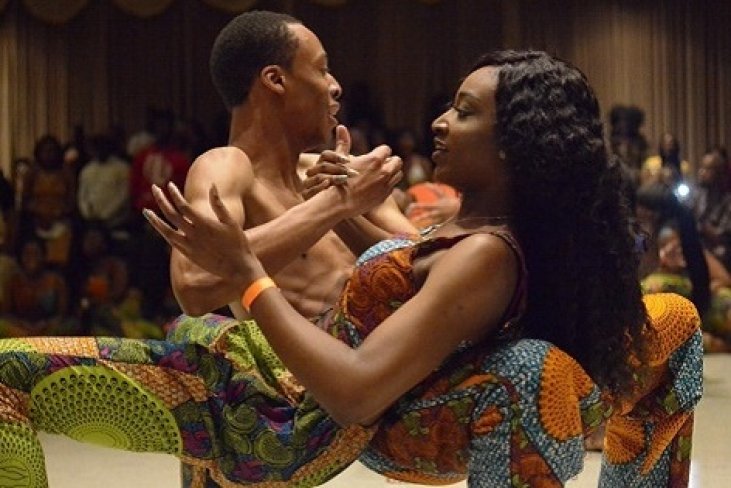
338, 168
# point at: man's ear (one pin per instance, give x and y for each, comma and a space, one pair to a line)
272, 77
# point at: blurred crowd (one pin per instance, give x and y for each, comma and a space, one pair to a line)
686, 218
77, 258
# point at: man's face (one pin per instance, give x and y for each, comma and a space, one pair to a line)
312, 92
710, 171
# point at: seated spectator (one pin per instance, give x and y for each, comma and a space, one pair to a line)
20, 179
626, 139
667, 166
106, 304
37, 296
672, 276
50, 201
75, 154
103, 193
711, 205
658, 208
159, 163
671, 272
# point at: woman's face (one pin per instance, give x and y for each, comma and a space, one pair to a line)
466, 150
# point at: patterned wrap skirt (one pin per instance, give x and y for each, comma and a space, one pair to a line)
215, 395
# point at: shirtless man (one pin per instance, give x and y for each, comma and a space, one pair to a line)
273, 76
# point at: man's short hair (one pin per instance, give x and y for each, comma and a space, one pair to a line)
248, 43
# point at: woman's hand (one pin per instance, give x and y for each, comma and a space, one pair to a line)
217, 245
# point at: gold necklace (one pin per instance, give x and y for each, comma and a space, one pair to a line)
428, 232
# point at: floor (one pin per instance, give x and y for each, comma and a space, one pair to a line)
71, 464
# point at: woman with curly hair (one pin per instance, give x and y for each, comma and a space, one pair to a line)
485, 348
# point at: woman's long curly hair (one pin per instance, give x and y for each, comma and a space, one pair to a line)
571, 216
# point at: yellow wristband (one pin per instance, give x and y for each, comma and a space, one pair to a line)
255, 289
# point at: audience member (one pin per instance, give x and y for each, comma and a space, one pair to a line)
142, 139
657, 208
667, 166
75, 154
20, 176
416, 167
103, 193
672, 276
626, 140
103, 276
106, 303
37, 296
50, 201
428, 203
160, 163
711, 205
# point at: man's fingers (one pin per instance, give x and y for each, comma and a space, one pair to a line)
325, 167
319, 181
313, 190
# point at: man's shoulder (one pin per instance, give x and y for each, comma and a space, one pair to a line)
227, 167
223, 155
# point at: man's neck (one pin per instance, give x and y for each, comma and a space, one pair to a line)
265, 141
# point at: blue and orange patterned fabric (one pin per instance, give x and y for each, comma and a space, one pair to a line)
216, 395
516, 413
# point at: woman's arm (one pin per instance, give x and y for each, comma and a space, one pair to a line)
463, 297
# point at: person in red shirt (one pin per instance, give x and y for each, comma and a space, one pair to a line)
161, 162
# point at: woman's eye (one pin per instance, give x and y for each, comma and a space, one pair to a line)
461, 113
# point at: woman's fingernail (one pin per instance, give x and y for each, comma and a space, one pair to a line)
351, 172
343, 159
340, 179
